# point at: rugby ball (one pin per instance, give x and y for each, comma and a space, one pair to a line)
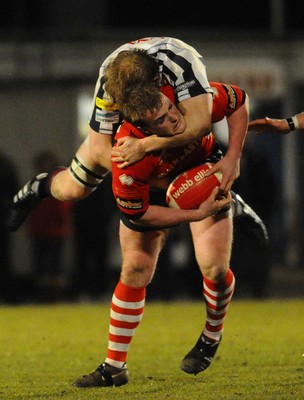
189, 189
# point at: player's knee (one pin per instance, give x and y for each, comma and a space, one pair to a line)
136, 275
215, 272
64, 188
73, 193
76, 182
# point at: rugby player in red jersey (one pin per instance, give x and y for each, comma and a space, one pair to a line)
139, 190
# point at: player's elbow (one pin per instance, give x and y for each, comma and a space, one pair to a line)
204, 130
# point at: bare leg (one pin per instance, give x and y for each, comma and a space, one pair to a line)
140, 252
212, 242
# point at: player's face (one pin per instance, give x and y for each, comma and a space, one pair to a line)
167, 121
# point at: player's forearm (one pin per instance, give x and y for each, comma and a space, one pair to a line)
155, 143
236, 144
300, 118
166, 217
238, 125
296, 121
193, 132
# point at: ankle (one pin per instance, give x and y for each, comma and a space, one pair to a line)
115, 364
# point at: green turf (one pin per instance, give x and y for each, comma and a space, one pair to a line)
44, 348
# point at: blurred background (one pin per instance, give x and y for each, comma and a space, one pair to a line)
50, 54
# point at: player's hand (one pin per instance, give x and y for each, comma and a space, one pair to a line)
128, 151
269, 125
230, 169
214, 203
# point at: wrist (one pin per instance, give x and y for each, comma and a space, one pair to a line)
236, 155
292, 122
151, 143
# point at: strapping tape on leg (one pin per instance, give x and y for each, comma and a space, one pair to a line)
83, 175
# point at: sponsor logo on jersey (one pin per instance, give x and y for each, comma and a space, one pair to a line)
185, 85
106, 105
232, 96
134, 204
126, 180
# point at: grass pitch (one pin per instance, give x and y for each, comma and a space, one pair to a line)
45, 348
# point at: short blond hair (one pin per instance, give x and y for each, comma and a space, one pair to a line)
139, 101
130, 68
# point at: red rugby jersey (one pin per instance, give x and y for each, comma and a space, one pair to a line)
226, 100
131, 186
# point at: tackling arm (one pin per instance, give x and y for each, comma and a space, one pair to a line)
197, 113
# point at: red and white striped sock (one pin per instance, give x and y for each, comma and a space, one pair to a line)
217, 297
127, 310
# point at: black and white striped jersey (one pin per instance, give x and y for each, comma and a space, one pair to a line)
179, 64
